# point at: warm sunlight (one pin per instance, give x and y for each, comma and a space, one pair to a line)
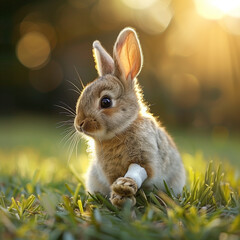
217, 9
139, 4
147, 146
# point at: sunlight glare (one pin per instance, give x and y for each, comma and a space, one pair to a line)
138, 4
217, 9
154, 20
231, 25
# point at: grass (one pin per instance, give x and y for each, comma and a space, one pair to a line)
44, 197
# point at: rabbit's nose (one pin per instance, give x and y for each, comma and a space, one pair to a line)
78, 124
81, 124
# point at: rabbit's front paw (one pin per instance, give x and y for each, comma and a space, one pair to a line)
124, 186
118, 200
122, 189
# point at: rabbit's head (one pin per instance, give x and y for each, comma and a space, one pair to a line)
109, 104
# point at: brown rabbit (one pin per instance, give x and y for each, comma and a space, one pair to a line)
131, 149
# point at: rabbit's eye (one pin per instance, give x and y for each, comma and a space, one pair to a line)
106, 102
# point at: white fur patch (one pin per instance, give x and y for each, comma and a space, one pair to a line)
137, 173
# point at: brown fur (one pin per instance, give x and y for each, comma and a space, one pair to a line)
87, 124
110, 111
125, 133
91, 125
117, 154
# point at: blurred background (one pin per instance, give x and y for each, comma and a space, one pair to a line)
190, 77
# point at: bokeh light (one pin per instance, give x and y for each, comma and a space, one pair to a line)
43, 27
154, 20
33, 50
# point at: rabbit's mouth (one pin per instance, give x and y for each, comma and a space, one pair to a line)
88, 126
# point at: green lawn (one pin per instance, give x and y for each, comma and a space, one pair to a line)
42, 194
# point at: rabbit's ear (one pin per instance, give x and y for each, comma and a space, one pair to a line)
127, 55
104, 62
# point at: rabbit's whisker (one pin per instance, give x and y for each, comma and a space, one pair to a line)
65, 123
67, 109
77, 88
79, 78
73, 144
75, 91
78, 138
67, 137
70, 147
66, 105
68, 130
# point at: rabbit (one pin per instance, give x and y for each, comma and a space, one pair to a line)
131, 148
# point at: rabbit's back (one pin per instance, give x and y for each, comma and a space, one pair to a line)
161, 156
